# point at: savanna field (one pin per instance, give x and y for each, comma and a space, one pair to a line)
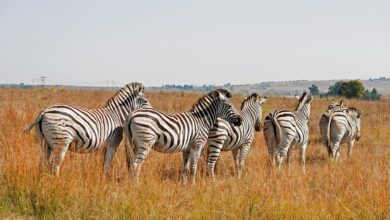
354, 188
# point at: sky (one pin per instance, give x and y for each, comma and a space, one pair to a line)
156, 42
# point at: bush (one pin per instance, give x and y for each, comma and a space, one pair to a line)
314, 90
349, 89
352, 89
373, 95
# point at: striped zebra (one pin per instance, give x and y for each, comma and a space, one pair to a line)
63, 127
183, 132
343, 127
223, 136
325, 119
283, 129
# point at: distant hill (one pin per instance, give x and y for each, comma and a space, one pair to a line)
285, 88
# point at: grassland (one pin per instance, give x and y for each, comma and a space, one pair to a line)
357, 187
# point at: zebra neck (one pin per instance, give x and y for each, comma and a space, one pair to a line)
206, 114
249, 115
120, 113
304, 111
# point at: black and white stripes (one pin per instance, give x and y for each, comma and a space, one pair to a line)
184, 132
223, 136
283, 129
212, 119
343, 127
63, 127
324, 120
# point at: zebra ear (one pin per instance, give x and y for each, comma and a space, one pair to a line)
310, 99
263, 100
297, 97
360, 114
217, 94
141, 89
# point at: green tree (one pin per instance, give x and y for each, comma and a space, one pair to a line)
352, 89
373, 95
314, 90
334, 90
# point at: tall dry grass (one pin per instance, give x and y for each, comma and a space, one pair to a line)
358, 187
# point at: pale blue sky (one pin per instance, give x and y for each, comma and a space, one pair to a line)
192, 42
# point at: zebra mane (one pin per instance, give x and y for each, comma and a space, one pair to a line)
251, 98
223, 91
302, 100
121, 96
304, 95
212, 95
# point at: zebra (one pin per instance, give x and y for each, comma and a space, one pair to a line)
223, 136
63, 127
185, 132
283, 128
343, 127
323, 125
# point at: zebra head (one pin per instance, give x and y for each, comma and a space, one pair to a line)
128, 99
356, 117
142, 102
304, 104
253, 104
224, 107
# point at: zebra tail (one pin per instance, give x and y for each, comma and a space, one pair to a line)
129, 146
277, 128
328, 139
27, 129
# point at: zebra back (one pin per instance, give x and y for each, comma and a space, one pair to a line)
323, 124
297, 120
352, 117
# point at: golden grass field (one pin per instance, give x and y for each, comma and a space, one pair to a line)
354, 188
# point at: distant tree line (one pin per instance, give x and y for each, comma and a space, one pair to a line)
189, 87
349, 89
178, 87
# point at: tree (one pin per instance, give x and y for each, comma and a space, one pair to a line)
334, 90
373, 95
352, 89
314, 90
349, 89
374, 92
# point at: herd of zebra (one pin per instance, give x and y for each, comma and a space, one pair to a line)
213, 120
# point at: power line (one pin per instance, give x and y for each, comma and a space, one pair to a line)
43, 80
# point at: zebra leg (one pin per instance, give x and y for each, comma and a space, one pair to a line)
283, 148
57, 156
109, 154
112, 145
186, 166
243, 154
303, 157
129, 155
46, 151
195, 154
350, 146
214, 151
289, 156
335, 151
236, 158
270, 140
142, 153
